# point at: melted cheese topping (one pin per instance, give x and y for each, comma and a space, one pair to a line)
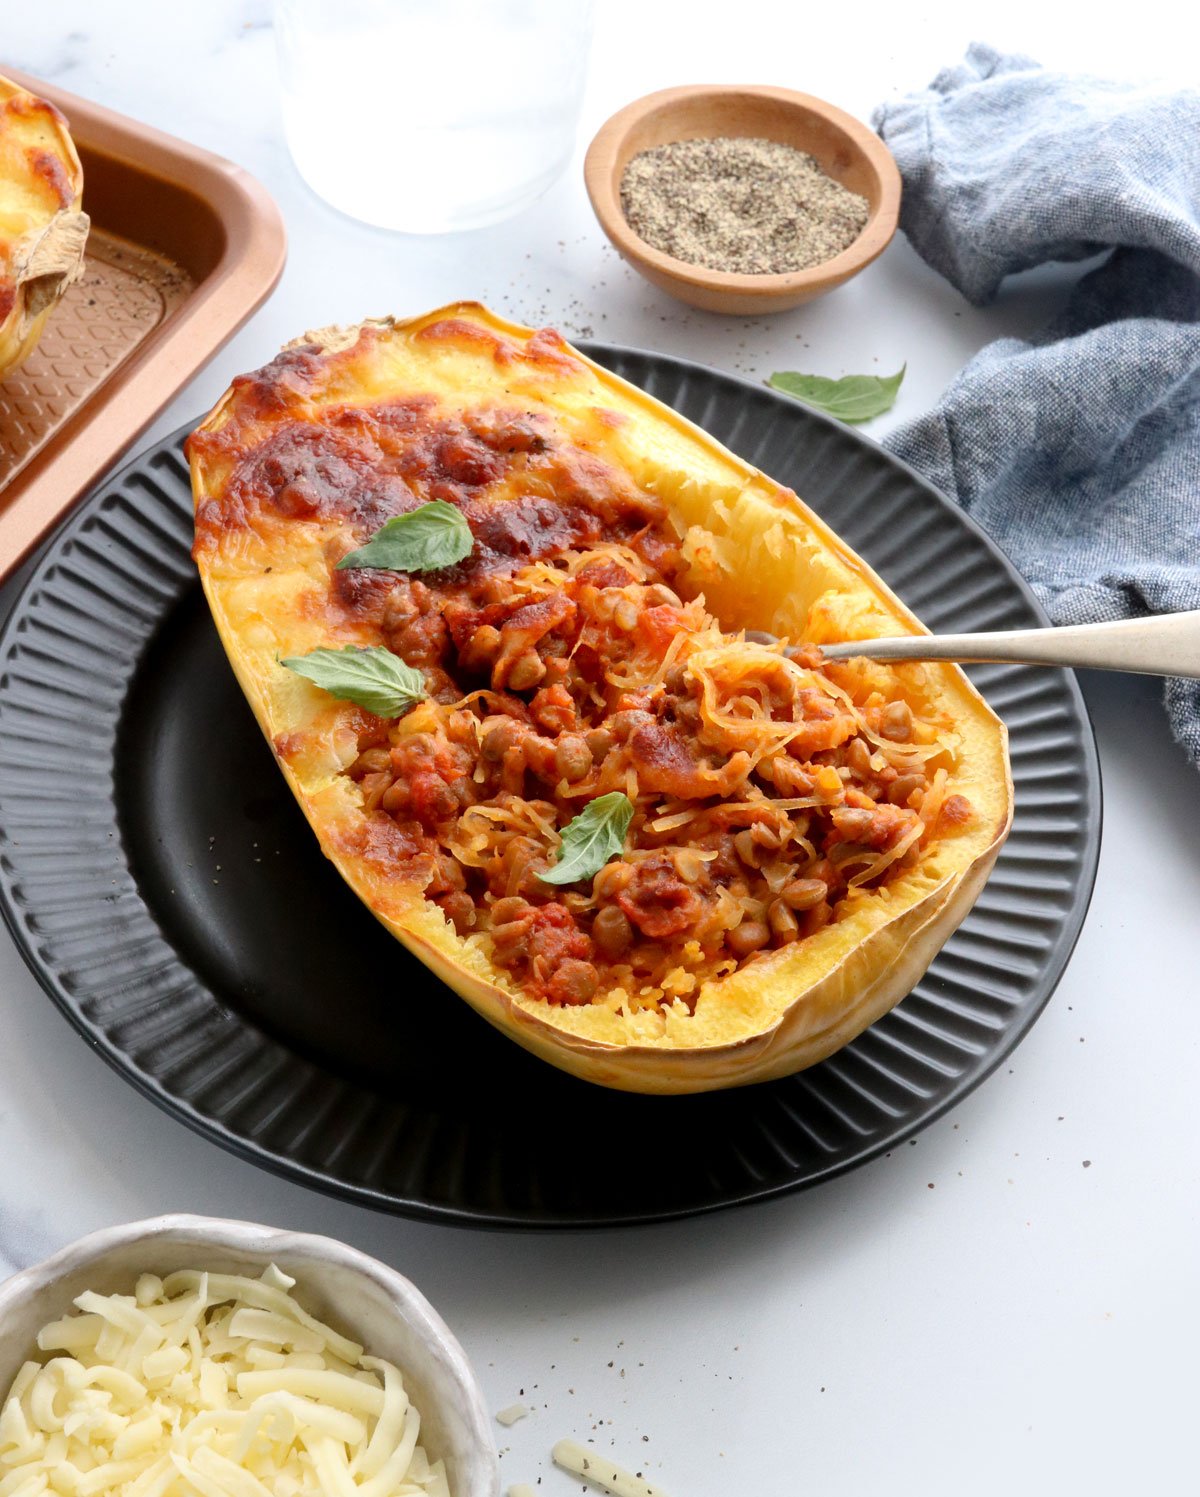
209, 1385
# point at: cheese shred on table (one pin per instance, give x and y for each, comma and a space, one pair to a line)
208, 1385
594, 1467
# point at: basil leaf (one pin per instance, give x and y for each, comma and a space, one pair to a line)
588, 841
855, 398
432, 536
373, 678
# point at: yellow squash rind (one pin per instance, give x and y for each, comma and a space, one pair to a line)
763, 560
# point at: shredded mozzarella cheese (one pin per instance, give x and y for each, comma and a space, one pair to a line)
208, 1385
593, 1466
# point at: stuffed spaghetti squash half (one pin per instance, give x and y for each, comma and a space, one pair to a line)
488, 603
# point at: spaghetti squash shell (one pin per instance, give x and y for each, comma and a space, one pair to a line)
763, 561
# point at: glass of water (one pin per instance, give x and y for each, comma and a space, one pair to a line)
431, 115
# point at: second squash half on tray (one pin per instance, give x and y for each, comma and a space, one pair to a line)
42, 228
486, 602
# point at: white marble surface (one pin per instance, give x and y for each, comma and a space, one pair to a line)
1029, 1321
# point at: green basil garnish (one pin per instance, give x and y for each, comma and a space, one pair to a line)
373, 678
427, 538
588, 841
855, 398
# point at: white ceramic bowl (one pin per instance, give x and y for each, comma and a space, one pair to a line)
356, 1294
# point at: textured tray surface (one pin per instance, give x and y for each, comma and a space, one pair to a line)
170, 898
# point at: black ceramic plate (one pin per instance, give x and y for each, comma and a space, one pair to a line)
169, 896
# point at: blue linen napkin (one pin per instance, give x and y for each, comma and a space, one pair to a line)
1078, 449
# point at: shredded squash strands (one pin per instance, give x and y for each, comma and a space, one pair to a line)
474, 835
903, 756
935, 798
674, 650
209, 1385
878, 864
485, 695
624, 556
733, 705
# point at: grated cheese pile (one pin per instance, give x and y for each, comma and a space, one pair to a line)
208, 1385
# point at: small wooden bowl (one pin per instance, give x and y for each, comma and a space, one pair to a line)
843, 147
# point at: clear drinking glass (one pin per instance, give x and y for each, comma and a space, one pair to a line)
431, 115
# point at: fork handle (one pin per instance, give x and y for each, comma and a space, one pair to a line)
1160, 644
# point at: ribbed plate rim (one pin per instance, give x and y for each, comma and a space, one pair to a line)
362, 1194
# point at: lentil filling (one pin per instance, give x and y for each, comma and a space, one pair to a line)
564, 659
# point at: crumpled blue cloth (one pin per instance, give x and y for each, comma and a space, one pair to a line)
1077, 449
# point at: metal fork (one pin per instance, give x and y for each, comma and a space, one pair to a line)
1161, 644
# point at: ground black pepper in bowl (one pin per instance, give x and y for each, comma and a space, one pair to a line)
741, 205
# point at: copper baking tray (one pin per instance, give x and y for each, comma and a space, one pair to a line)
184, 246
